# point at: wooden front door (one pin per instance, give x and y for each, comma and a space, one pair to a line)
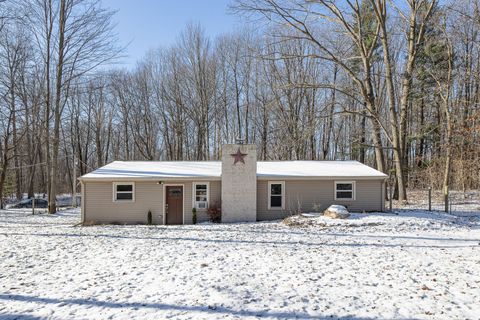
174, 204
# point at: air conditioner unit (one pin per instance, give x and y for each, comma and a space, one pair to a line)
201, 205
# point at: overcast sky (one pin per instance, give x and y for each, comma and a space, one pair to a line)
147, 24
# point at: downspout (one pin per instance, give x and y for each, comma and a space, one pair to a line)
83, 201
384, 185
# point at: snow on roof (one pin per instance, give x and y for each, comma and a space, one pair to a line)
213, 169
316, 169
157, 169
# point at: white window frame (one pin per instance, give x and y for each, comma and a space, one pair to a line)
194, 195
354, 192
270, 194
114, 198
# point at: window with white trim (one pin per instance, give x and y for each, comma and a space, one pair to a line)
123, 191
200, 194
276, 195
344, 190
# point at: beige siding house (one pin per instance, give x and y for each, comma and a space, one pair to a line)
244, 189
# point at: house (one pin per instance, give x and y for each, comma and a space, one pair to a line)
246, 189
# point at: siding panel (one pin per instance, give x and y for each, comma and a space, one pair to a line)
299, 194
304, 195
99, 205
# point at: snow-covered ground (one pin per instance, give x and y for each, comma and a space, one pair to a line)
409, 265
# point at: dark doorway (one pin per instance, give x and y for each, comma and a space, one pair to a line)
174, 204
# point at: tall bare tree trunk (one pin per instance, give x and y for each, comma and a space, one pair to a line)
381, 14
448, 137
48, 21
372, 109
18, 173
52, 199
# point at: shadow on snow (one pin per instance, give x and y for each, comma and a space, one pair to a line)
327, 243
213, 310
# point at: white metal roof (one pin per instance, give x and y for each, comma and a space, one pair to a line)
304, 169
212, 169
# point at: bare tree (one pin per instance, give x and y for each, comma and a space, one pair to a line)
77, 36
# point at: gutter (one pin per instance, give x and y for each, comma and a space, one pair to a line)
146, 179
259, 178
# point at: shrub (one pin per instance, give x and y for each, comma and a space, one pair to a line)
89, 223
149, 217
297, 221
317, 207
215, 213
194, 215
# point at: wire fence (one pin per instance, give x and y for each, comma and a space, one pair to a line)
459, 202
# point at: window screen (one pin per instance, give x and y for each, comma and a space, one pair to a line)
124, 192
276, 194
344, 190
201, 195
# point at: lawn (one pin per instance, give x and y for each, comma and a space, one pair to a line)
409, 265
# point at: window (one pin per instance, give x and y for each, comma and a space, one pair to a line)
123, 191
276, 195
200, 195
344, 190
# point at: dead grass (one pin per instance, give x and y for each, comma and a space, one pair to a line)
365, 224
90, 223
297, 221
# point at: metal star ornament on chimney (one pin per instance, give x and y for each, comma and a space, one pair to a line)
238, 156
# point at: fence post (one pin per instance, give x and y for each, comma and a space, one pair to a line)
74, 182
390, 191
33, 204
429, 198
446, 196
450, 203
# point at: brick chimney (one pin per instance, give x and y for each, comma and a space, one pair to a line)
239, 182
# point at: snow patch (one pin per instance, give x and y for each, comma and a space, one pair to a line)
338, 209
409, 265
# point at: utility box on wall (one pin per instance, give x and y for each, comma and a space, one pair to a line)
239, 183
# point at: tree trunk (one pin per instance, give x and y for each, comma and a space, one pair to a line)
448, 138
49, 29
52, 199
381, 14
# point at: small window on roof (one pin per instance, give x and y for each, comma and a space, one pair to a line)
123, 191
344, 190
